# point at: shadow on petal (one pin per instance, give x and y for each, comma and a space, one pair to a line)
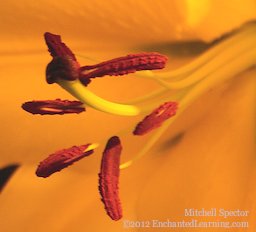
6, 173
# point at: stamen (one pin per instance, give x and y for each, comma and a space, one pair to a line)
123, 65
52, 107
220, 63
56, 47
109, 178
62, 67
61, 159
225, 71
64, 64
156, 118
82, 93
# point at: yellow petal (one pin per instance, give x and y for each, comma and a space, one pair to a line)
100, 24
209, 164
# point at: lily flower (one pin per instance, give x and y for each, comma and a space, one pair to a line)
201, 157
228, 58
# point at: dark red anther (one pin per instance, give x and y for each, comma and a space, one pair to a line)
52, 107
61, 159
109, 178
123, 65
64, 64
56, 47
63, 67
156, 118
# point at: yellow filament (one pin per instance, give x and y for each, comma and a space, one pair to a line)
248, 30
83, 94
246, 60
221, 63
